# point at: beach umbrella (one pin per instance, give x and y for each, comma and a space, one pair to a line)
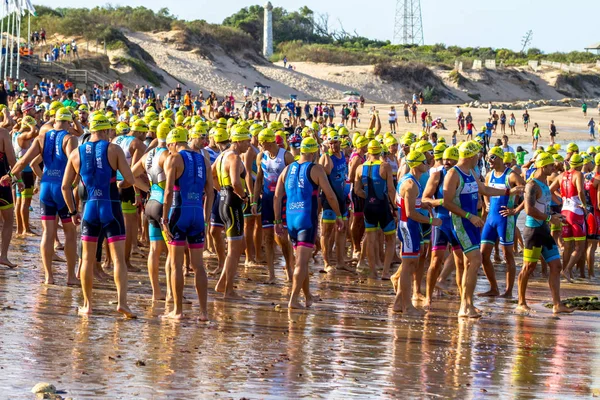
351, 93
352, 99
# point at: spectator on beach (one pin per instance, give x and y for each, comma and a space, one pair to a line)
502, 122
584, 109
393, 116
406, 115
285, 60
505, 147
552, 132
526, 118
512, 124
592, 126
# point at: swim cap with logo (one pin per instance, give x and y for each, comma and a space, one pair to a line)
266, 136
152, 125
239, 134
390, 141
99, 123
423, 146
177, 135
63, 114
497, 151
468, 149
451, 153
415, 158
597, 159
558, 158
360, 142
572, 147
162, 130
370, 134
139, 126
309, 145
576, 161
442, 140
374, 147
508, 157
122, 128
544, 159
220, 135
438, 151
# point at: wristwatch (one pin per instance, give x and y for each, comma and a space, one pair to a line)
72, 213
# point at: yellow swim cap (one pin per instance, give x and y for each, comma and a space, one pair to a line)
152, 125
442, 140
468, 149
122, 128
221, 135
597, 159
83, 108
345, 143
370, 134
451, 153
99, 123
374, 147
551, 150
360, 142
63, 114
423, 146
177, 135
558, 158
239, 134
309, 145
162, 130
591, 149
407, 141
576, 161
55, 105
415, 158
344, 131
139, 126
544, 159
508, 157
572, 147
438, 151
390, 141
255, 129
266, 136
497, 151
164, 114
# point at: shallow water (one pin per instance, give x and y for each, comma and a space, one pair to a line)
348, 345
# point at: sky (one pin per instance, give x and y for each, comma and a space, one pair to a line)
466, 23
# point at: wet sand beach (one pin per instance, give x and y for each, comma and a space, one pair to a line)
349, 345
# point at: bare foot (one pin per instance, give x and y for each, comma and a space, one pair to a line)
187, 270
348, 268
489, 293
469, 313
566, 276
203, 317
507, 295
394, 279
295, 305
443, 287
58, 247
49, 281
414, 311
562, 309
158, 298
126, 311
329, 269
216, 272
173, 316
4, 261
427, 304
418, 297
131, 268
373, 275
523, 309
84, 311
73, 282
232, 296
271, 281
31, 233
56, 257
311, 299
497, 260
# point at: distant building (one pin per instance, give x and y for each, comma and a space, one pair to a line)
595, 48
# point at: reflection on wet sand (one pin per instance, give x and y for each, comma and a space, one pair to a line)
348, 345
